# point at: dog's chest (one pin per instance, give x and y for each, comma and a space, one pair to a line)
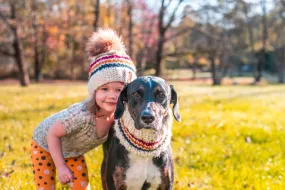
142, 170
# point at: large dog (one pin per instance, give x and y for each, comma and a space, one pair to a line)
137, 154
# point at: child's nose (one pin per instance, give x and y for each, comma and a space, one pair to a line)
113, 96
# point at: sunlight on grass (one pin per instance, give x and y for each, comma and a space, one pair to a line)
229, 137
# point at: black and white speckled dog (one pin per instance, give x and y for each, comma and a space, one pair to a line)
137, 154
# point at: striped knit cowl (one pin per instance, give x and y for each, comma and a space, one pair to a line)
143, 142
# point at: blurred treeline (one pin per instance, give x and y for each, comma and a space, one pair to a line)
46, 38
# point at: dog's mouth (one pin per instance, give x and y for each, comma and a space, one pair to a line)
149, 127
148, 138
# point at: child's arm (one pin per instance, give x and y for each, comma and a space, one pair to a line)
55, 132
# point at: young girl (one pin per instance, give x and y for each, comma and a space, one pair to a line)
61, 140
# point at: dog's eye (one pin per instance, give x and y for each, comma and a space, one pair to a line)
161, 95
136, 95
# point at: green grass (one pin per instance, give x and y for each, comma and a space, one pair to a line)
229, 137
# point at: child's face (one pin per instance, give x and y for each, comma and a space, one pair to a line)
106, 96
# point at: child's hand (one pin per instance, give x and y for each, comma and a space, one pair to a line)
65, 175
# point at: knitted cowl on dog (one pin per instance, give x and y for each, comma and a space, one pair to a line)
143, 142
109, 61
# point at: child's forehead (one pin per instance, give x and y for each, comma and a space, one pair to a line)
114, 84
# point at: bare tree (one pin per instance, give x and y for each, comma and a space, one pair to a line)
261, 62
246, 9
96, 15
18, 54
130, 28
162, 29
40, 50
35, 28
280, 51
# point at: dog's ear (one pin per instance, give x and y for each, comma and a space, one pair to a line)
174, 100
120, 104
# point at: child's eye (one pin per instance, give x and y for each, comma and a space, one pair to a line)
104, 89
118, 90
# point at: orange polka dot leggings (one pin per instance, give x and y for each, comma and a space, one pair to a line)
45, 171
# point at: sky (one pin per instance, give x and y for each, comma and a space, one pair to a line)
196, 4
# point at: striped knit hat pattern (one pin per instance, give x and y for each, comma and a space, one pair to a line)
109, 61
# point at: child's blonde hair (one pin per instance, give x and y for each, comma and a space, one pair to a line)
91, 105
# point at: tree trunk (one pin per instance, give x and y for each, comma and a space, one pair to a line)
162, 30
36, 45
96, 14
262, 61
130, 33
122, 19
250, 31
249, 27
158, 66
17, 45
194, 67
260, 66
43, 54
161, 39
215, 79
224, 66
281, 64
37, 66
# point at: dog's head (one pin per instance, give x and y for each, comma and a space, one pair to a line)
148, 100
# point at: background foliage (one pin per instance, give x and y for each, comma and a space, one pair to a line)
46, 39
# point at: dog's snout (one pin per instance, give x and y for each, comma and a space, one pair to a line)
147, 117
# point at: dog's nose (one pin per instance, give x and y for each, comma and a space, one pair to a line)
147, 118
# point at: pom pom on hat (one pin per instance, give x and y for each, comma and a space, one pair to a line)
109, 61
104, 40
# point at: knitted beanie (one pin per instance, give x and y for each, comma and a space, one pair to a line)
109, 61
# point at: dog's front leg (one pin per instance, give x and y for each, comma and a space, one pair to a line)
119, 178
165, 163
115, 162
166, 179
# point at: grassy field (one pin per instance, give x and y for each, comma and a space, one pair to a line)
230, 137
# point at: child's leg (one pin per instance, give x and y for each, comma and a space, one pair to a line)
79, 168
43, 167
